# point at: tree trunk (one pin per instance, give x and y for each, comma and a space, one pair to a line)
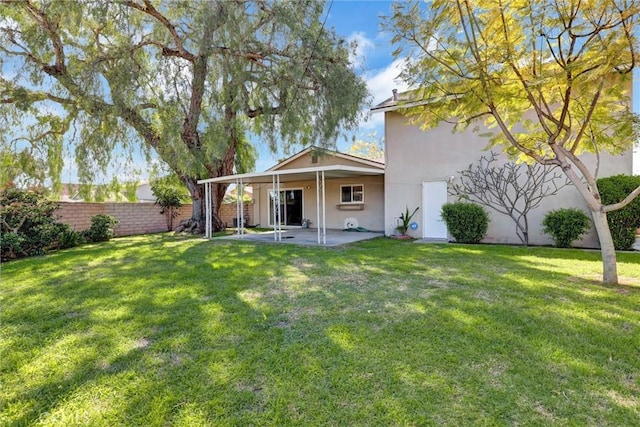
609, 265
198, 211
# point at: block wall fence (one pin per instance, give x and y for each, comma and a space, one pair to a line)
135, 218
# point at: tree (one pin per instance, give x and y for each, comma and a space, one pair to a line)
170, 195
370, 148
509, 188
190, 81
27, 224
548, 79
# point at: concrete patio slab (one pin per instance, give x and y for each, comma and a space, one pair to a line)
307, 236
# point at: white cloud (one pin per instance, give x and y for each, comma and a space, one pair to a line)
363, 45
380, 83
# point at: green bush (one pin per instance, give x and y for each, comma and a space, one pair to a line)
169, 197
102, 228
624, 222
565, 225
28, 226
69, 238
467, 222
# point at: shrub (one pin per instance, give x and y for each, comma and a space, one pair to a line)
467, 222
68, 238
405, 218
624, 222
565, 225
169, 198
102, 228
27, 227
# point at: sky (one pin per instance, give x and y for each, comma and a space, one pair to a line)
359, 21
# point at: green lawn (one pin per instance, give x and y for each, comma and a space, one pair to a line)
163, 330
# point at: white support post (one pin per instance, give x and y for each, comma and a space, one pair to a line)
207, 211
211, 202
324, 214
275, 207
241, 198
237, 207
318, 204
212, 207
278, 200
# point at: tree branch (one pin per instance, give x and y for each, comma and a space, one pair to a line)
614, 207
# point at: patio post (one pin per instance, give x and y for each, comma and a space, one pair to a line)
239, 228
318, 203
324, 213
241, 198
207, 208
277, 226
278, 199
273, 196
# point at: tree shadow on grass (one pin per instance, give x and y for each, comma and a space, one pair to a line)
374, 333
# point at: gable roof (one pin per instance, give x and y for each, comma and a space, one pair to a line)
311, 149
406, 99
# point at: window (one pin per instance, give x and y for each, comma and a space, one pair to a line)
352, 193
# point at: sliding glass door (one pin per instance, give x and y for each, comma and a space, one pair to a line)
288, 207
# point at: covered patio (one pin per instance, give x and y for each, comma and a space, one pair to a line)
276, 177
306, 236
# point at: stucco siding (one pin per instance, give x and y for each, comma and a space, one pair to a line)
414, 156
371, 217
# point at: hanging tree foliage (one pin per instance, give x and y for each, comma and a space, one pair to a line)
190, 81
548, 78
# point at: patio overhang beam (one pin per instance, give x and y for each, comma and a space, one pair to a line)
288, 175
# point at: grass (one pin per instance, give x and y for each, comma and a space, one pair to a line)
164, 330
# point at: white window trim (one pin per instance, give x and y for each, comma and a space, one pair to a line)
352, 202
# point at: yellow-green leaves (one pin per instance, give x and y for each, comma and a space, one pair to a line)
561, 68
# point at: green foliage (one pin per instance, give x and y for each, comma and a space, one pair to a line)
624, 222
169, 194
189, 81
405, 219
467, 222
565, 225
102, 228
167, 197
69, 238
28, 226
497, 64
169, 188
371, 147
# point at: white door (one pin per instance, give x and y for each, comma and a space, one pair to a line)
434, 195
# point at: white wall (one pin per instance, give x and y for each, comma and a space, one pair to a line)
414, 156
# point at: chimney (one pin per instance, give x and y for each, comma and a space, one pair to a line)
395, 94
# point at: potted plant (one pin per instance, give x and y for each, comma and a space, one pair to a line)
405, 221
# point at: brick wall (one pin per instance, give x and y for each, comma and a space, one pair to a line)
134, 218
228, 212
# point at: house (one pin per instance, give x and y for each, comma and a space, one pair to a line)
316, 187
328, 189
421, 165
